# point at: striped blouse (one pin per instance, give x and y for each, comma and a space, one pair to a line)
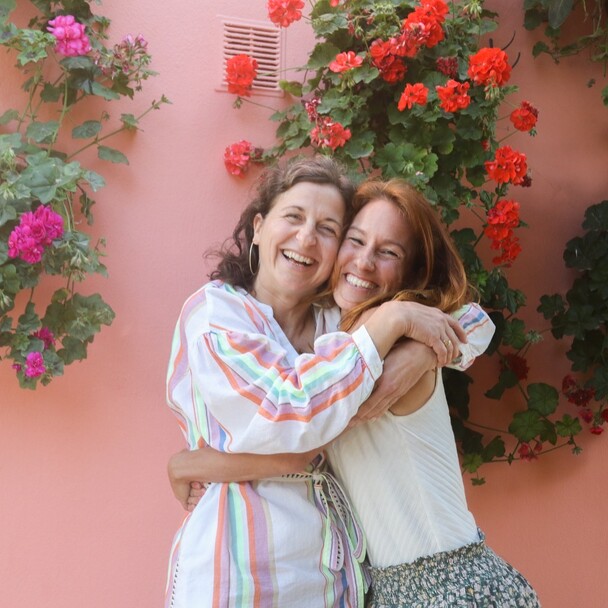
237, 384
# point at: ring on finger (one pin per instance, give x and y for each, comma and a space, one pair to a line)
447, 342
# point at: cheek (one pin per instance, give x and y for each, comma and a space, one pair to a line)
393, 277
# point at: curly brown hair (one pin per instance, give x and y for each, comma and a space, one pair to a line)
233, 266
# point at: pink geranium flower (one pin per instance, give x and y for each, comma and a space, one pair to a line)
70, 36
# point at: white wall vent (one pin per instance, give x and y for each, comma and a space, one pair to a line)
260, 40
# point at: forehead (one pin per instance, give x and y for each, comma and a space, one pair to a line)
325, 200
383, 220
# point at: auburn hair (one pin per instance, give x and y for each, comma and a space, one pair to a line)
435, 274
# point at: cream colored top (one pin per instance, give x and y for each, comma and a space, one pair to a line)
402, 476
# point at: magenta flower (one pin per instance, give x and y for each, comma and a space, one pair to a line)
21, 243
34, 365
36, 231
46, 335
70, 36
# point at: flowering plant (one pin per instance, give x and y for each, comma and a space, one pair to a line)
45, 194
407, 89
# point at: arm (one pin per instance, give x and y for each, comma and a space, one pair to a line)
209, 465
236, 385
407, 362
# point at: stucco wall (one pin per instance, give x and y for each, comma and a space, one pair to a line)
86, 513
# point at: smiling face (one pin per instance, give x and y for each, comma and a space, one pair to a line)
298, 241
373, 258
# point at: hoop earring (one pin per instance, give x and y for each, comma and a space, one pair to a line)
253, 272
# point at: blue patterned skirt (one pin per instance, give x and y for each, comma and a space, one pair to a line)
470, 577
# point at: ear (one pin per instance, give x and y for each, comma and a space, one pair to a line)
258, 220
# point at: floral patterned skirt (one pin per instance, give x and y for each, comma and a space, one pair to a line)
472, 576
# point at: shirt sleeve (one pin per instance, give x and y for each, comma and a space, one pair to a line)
479, 330
252, 395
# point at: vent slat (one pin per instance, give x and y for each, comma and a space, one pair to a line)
262, 44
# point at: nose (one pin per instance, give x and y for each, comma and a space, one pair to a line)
365, 260
306, 235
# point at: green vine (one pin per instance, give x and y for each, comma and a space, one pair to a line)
45, 193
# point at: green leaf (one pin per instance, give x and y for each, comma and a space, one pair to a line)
605, 95
361, 145
538, 48
550, 306
558, 12
6, 6
293, 87
95, 180
88, 129
471, 462
542, 398
599, 382
515, 333
82, 62
129, 121
114, 156
322, 55
596, 217
329, 23
101, 91
494, 449
526, 425
50, 94
9, 116
549, 433
7, 214
568, 426
43, 132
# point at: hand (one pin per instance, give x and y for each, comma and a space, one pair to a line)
179, 485
432, 327
197, 491
403, 367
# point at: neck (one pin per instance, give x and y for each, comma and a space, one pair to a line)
292, 314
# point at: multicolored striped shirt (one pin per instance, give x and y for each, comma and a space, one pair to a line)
237, 384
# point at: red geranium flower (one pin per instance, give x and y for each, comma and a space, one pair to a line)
329, 134
345, 62
524, 118
517, 364
237, 157
507, 166
447, 66
285, 12
489, 66
502, 218
384, 56
597, 430
241, 71
423, 24
453, 95
413, 94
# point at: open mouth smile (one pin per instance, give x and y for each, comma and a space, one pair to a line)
296, 257
357, 282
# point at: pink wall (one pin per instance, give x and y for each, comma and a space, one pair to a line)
86, 514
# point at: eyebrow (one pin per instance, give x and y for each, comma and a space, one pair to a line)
384, 242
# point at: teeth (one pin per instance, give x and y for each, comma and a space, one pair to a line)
296, 257
357, 282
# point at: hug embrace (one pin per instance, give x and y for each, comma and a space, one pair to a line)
306, 377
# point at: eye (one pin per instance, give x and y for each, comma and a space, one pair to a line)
389, 253
328, 229
293, 216
355, 240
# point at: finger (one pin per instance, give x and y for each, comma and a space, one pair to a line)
461, 335
196, 485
